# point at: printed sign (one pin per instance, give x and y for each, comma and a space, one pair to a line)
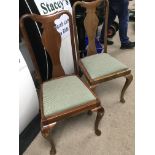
47, 7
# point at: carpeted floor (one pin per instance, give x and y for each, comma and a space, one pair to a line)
76, 136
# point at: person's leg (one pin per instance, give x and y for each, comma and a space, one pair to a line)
123, 16
111, 18
81, 34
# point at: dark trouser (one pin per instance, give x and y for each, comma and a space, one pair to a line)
119, 9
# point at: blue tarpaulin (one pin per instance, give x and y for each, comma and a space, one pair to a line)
99, 47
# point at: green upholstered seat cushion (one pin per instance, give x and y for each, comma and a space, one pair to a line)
102, 64
64, 93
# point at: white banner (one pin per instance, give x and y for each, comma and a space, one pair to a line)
47, 7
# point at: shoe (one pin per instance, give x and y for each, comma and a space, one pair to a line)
109, 42
128, 45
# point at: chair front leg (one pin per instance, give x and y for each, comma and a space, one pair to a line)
129, 78
46, 132
100, 113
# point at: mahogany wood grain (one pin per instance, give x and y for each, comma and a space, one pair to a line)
91, 24
51, 40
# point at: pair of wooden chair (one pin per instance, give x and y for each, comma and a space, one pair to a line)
65, 96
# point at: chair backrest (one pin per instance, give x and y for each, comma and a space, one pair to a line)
91, 23
51, 41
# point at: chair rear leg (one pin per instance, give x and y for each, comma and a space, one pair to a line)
100, 113
89, 112
46, 132
129, 78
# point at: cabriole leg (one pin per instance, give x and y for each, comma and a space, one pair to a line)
100, 113
46, 132
129, 78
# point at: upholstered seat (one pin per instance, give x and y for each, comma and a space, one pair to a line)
60, 96
97, 68
64, 93
101, 65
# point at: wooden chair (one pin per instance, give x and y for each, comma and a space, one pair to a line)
98, 68
62, 96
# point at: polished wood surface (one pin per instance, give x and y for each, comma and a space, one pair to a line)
91, 30
91, 24
51, 40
